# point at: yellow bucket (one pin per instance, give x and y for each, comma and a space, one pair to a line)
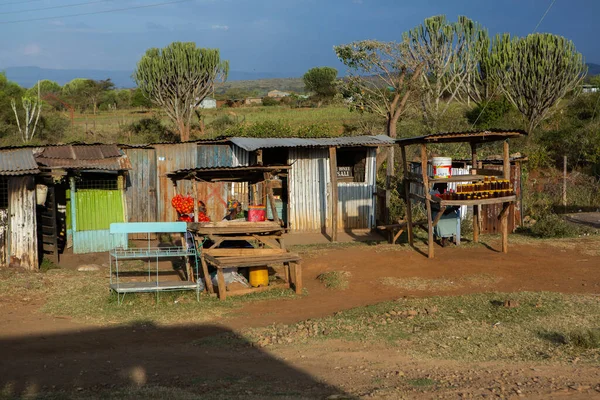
259, 276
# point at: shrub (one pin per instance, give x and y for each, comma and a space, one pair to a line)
585, 338
269, 101
553, 226
335, 279
222, 123
52, 127
152, 130
489, 114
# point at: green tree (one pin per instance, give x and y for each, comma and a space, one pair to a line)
448, 51
321, 81
46, 87
536, 72
178, 77
381, 78
138, 99
8, 91
83, 93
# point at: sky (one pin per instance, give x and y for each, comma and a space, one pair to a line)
283, 36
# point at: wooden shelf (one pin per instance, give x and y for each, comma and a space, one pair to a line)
495, 200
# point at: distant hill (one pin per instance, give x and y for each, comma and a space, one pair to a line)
28, 76
593, 69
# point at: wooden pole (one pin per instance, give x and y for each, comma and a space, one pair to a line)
475, 207
407, 194
334, 192
389, 174
564, 193
504, 219
427, 200
195, 200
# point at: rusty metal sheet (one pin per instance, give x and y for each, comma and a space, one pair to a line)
141, 187
107, 164
252, 144
65, 152
18, 162
172, 157
87, 153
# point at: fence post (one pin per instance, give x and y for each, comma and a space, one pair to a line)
564, 194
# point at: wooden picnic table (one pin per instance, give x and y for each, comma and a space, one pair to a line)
271, 250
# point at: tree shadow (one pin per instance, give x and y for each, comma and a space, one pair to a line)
553, 337
204, 361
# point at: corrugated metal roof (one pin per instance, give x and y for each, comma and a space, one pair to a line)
489, 135
107, 164
18, 162
251, 144
100, 157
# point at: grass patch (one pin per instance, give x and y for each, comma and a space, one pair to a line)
421, 382
420, 284
586, 338
85, 297
335, 279
47, 265
476, 327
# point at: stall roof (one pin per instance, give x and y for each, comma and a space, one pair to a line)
18, 162
491, 135
107, 157
252, 144
229, 174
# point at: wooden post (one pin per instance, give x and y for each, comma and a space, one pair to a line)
334, 192
259, 157
195, 200
504, 219
475, 207
564, 192
409, 227
427, 200
389, 174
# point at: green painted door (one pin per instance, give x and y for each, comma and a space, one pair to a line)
96, 209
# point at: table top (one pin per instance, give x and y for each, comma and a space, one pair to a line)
236, 228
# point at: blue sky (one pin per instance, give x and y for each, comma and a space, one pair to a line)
285, 36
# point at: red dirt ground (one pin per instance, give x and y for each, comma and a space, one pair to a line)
55, 353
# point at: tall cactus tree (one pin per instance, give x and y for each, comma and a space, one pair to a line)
536, 72
178, 77
449, 53
32, 108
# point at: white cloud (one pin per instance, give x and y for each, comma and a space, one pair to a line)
222, 27
32, 49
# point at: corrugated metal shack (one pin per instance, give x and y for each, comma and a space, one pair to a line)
18, 241
88, 184
307, 192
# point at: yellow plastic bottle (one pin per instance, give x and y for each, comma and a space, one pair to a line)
259, 276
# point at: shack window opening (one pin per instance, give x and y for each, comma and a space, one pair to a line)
97, 181
3, 193
351, 165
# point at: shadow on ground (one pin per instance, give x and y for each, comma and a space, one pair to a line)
147, 361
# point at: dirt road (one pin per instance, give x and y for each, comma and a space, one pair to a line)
41, 353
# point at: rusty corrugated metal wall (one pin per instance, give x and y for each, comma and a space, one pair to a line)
22, 221
171, 157
489, 213
140, 189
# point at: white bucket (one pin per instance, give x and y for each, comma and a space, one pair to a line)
41, 193
442, 167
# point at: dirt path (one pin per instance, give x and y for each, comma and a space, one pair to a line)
41, 353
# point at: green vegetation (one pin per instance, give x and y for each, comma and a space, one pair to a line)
178, 77
321, 82
478, 327
335, 279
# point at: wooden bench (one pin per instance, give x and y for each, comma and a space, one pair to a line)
228, 258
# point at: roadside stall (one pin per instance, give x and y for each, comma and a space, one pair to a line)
240, 238
480, 187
